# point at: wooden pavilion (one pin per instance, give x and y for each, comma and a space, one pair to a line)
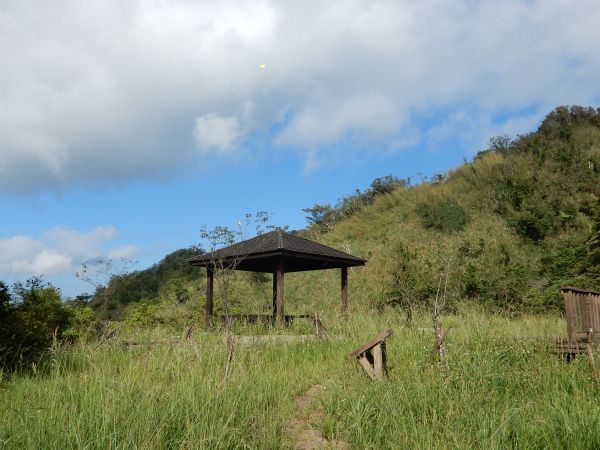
276, 252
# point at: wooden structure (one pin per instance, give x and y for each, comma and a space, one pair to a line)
276, 252
582, 311
372, 355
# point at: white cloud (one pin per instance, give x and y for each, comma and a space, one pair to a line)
125, 252
326, 119
214, 132
112, 90
474, 129
18, 252
60, 250
49, 262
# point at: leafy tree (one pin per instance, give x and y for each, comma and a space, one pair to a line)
386, 185
324, 217
320, 216
33, 315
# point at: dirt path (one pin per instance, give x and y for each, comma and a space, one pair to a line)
302, 432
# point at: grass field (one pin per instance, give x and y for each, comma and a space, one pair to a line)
495, 392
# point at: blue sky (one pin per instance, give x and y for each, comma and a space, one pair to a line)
126, 125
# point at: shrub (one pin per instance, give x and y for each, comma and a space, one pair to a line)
446, 216
32, 316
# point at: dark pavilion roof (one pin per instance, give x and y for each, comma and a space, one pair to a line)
261, 253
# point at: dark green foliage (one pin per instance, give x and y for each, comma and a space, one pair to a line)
32, 316
4, 299
385, 185
446, 215
593, 243
320, 216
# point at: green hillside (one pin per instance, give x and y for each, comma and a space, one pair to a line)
513, 225
170, 279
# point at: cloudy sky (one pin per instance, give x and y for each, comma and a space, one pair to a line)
126, 125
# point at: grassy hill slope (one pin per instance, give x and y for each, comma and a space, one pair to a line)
516, 223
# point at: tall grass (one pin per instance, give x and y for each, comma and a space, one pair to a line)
495, 393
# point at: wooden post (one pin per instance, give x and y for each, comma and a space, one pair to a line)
280, 301
568, 297
345, 292
590, 356
377, 361
274, 297
209, 298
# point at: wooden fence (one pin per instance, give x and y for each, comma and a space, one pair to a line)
582, 311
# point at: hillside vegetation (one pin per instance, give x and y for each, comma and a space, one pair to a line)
519, 221
513, 225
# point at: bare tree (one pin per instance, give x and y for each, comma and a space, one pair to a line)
219, 237
105, 275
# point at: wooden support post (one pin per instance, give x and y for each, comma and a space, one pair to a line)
590, 356
377, 361
280, 301
274, 297
344, 291
209, 298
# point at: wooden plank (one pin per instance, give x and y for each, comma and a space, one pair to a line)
344, 283
596, 303
367, 367
593, 314
588, 314
569, 312
371, 343
209, 298
377, 361
577, 325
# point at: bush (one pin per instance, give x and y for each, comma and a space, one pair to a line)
84, 323
31, 316
446, 216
